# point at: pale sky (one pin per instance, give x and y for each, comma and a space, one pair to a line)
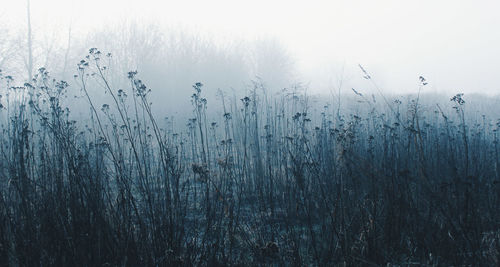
454, 44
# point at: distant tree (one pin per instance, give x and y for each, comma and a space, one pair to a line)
31, 48
172, 59
68, 50
272, 63
29, 60
8, 47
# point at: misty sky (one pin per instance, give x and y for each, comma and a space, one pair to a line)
454, 44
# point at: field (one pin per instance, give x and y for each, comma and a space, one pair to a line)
268, 179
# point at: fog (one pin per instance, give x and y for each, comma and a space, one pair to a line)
249, 133
454, 44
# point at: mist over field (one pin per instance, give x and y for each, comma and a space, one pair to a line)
249, 133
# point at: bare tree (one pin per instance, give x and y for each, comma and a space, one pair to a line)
29, 63
8, 47
68, 49
272, 63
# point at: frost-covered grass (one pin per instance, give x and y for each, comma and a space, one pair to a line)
272, 180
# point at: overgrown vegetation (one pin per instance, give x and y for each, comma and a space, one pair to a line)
271, 181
